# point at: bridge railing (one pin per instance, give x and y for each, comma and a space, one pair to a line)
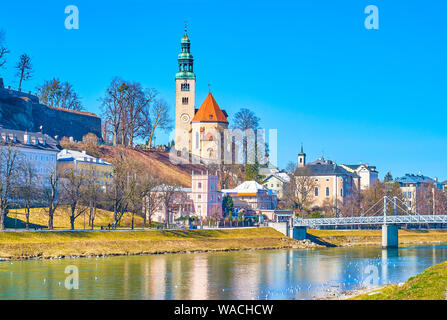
373, 220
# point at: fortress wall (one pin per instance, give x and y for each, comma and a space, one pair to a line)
22, 111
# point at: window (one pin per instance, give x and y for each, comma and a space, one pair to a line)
212, 186
410, 194
199, 185
212, 198
316, 180
197, 140
327, 191
199, 196
316, 192
341, 192
185, 86
185, 100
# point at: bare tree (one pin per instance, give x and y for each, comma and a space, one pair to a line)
113, 106
119, 189
28, 187
126, 107
59, 94
301, 188
92, 194
3, 50
24, 69
137, 103
245, 120
159, 118
150, 199
50, 192
9, 160
72, 186
167, 193
135, 196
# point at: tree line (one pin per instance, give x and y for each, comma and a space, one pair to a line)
130, 189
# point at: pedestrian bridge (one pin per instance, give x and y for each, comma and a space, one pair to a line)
387, 212
370, 220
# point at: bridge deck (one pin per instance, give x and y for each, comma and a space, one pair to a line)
379, 220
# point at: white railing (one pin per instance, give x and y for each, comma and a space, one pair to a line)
390, 219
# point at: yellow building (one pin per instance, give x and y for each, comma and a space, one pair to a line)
84, 164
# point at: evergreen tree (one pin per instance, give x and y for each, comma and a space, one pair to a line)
388, 177
227, 205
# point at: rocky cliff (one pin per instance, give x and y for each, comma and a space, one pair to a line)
22, 111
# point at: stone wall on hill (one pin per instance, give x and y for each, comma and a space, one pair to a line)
22, 111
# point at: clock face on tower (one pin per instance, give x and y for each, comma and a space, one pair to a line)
185, 118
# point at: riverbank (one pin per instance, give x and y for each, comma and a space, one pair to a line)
346, 238
17, 245
428, 285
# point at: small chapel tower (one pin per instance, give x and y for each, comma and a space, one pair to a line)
185, 81
301, 158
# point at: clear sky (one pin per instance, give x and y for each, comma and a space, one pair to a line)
307, 68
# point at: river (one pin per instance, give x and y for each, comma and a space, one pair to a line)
262, 274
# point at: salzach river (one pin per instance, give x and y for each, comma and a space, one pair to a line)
266, 274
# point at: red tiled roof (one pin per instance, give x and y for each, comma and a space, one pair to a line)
210, 111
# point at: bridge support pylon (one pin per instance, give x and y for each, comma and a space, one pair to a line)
390, 237
299, 233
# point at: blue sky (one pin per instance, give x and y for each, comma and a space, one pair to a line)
307, 68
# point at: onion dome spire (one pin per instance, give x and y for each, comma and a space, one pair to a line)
185, 59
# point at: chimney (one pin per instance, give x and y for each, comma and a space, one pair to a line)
26, 138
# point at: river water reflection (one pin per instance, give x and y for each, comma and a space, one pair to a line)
266, 274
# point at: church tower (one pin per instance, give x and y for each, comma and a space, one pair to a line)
185, 83
301, 158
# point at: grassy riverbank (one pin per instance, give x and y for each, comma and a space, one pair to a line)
25, 245
61, 220
374, 237
429, 285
